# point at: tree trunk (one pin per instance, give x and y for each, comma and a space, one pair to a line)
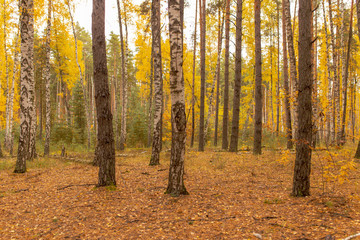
176, 185
216, 75
237, 89
290, 44
346, 75
278, 70
150, 114
7, 93
47, 84
26, 83
336, 85
202, 73
193, 82
258, 82
226, 77
286, 80
301, 181
217, 94
357, 154
124, 84
105, 149
158, 82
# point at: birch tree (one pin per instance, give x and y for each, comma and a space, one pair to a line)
47, 84
158, 82
176, 185
26, 83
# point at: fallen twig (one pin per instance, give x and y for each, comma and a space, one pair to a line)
22, 190
77, 185
352, 236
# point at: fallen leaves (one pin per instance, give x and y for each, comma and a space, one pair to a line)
232, 196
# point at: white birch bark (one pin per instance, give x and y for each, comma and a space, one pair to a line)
26, 83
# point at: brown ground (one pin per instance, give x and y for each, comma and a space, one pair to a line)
232, 196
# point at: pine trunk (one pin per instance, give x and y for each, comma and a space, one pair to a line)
226, 77
301, 181
158, 83
202, 73
258, 82
286, 79
345, 80
176, 185
237, 89
105, 149
26, 83
47, 84
124, 83
193, 81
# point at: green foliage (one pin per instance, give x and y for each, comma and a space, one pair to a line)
78, 111
61, 133
137, 127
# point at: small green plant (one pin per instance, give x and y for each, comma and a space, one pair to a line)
111, 188
329, 204
273, 201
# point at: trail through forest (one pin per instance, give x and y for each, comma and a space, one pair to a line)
232, 196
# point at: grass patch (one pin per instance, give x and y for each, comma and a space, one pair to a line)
7, 163
273, 201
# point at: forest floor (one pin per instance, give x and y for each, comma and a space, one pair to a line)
232, 196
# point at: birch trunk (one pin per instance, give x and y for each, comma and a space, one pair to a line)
86, 103
293, 72
258, 82
226, 77
237, 89
336, 84
202, 73
176, 185
302, 169
193, 81
47, 84
105, 149
150, 115
357, 154
26, 83
158, 83
124, 84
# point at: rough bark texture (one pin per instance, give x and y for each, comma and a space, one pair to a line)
124, 83
202, 73
47, 84
158, 83
346, 76
357, 154
26, 83
301, 183
217, 94
258, 82
105, 149
292, 59
176, 185
286, 82
237, 89
193, 82
226, 77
